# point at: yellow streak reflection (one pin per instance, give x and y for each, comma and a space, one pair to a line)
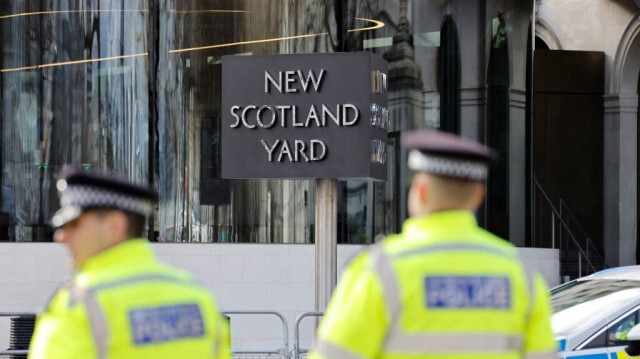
65, 63
378, 24
205, 11
20, 69
55, 12
247, 42
66, 12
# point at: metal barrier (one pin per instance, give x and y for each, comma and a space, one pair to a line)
282, 352
19, 342
297, 351
263, 353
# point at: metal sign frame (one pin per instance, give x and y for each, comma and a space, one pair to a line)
304, 116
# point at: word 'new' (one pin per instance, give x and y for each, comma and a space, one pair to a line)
288, 84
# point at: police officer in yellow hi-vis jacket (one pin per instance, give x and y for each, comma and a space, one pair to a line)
121, 302
444, 287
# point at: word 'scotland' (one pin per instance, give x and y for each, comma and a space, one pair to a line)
294, 116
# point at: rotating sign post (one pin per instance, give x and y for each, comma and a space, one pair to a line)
312, 116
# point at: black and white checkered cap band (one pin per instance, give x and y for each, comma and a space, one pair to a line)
448, 166
86, 197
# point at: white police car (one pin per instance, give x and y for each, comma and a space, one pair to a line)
593, 316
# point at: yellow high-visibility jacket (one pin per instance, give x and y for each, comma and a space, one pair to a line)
444, 288
125, 304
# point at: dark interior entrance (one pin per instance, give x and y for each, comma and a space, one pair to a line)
568, 147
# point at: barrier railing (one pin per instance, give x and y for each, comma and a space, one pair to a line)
281, 352
12, 351
268, 353
297, 351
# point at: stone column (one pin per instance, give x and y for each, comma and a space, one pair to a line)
620, 178
517, 166
326, 238
473, 101
471, 24
519, 23
405, 99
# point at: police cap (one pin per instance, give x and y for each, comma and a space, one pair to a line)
81, 190
448, 155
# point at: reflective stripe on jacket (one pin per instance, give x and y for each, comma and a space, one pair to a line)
125, 304
444, 288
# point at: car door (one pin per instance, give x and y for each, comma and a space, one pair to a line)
593, 311
616, 334
608, 342
591, 353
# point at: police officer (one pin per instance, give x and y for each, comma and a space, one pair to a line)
444, 287
122, 302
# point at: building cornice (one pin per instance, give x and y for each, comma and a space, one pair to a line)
620, 103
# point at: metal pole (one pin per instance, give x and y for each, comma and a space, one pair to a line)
579, 264
326, 240
553, 231
284, 351
297, 351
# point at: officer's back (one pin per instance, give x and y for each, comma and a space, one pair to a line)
121, 303
444, 287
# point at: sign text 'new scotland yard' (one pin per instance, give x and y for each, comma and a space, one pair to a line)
304, 116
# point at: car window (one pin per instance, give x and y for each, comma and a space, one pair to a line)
598, 342
587, 304
617, 334
580, 292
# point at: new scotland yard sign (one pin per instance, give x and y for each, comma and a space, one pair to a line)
304, 116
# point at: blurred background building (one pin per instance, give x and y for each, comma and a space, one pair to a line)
134, 87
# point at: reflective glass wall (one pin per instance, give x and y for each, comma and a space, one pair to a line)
74, 85
134, 86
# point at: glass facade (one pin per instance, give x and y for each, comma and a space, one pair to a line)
134, 86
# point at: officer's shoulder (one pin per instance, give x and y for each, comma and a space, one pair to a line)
390, 239
358, 260
60, 299
364, 256
60, 294
361, 259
